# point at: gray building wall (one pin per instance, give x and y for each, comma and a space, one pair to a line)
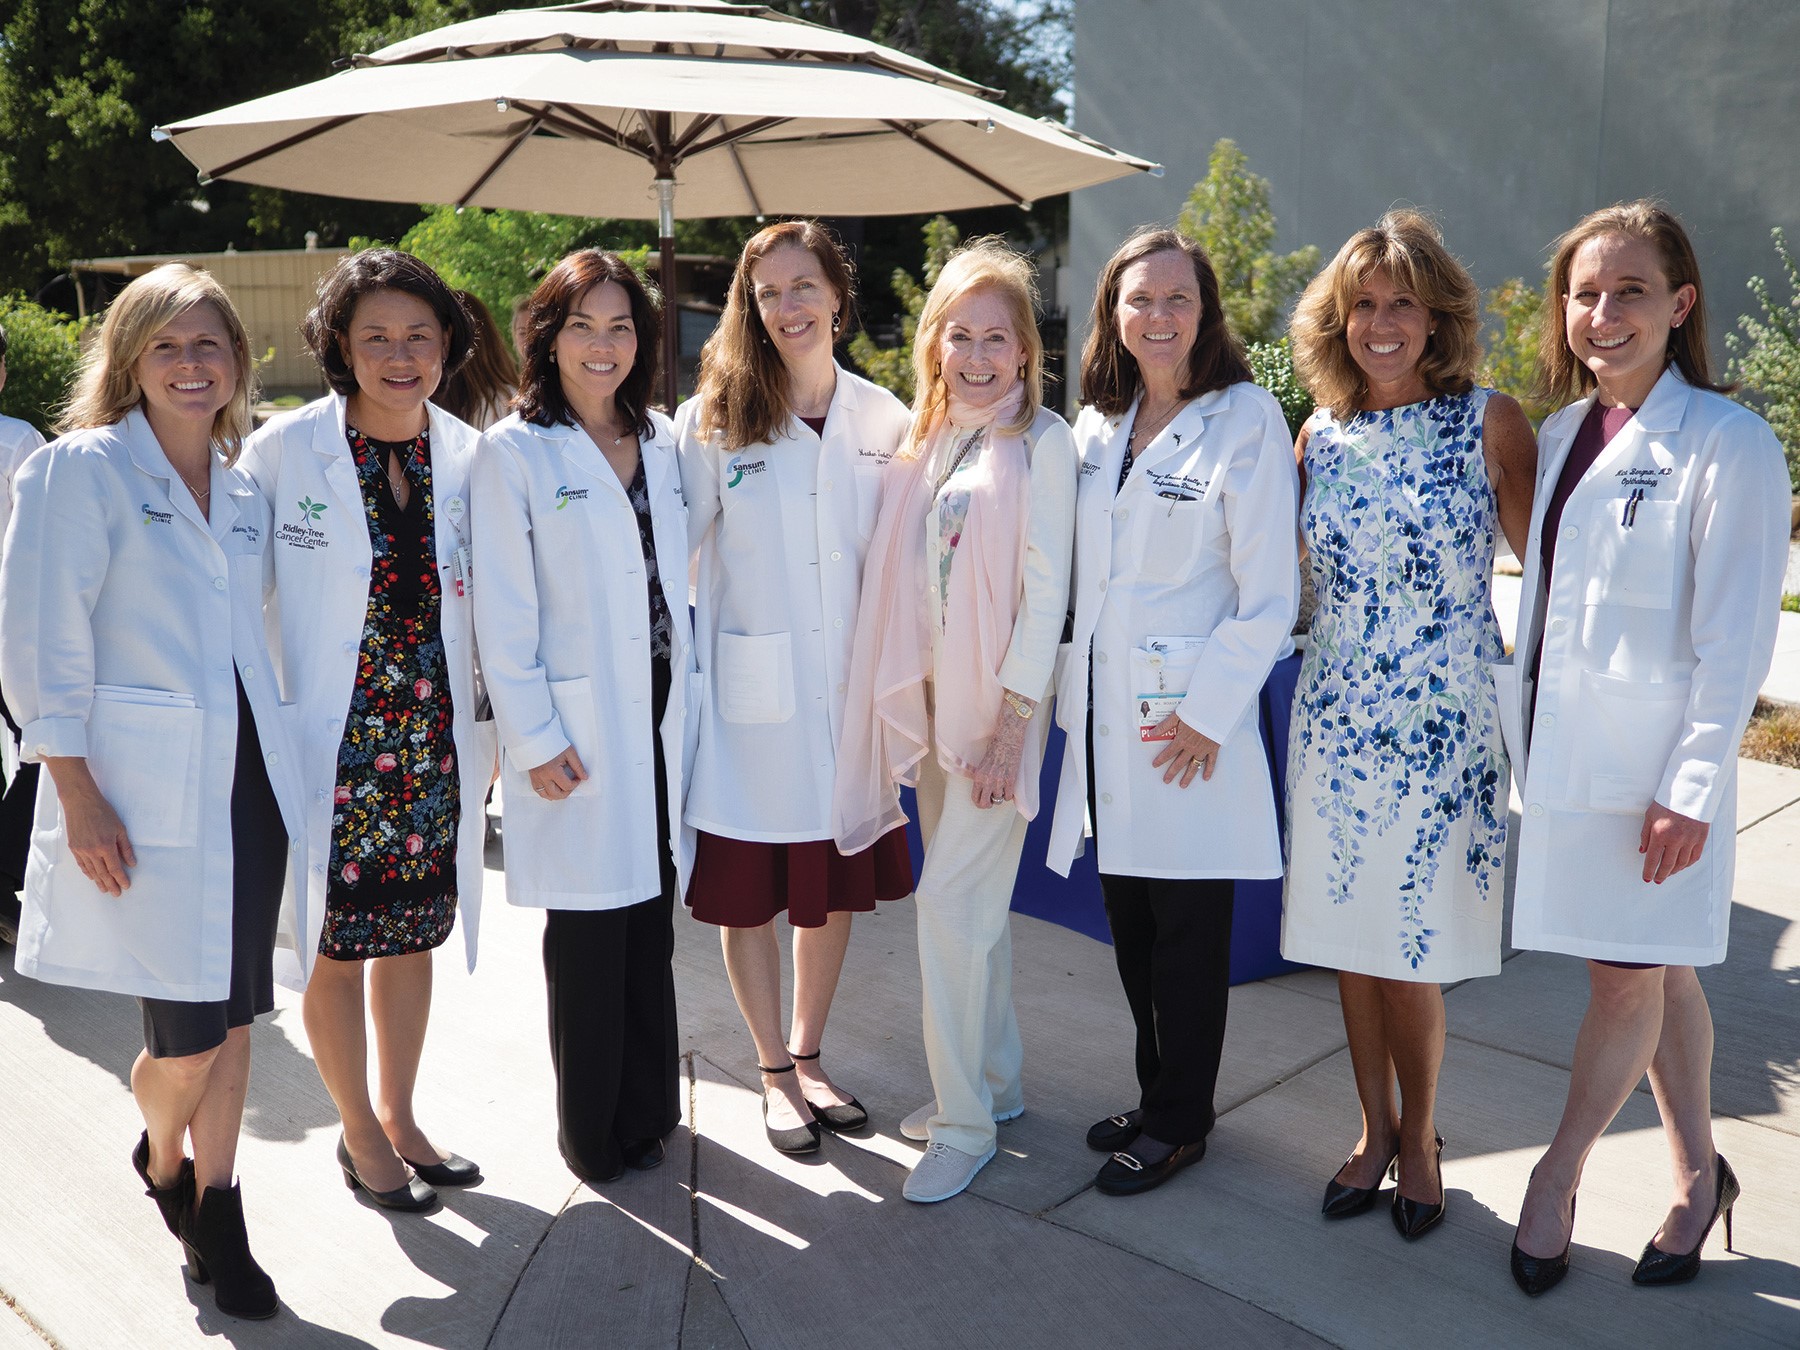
1507, 119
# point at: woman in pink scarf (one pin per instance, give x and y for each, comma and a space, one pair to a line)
963, 604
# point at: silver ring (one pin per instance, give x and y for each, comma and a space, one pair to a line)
995, 799
543, 792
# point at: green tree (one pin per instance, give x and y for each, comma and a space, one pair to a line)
892, 367
42, 348
1765, 355
1272, 367
1512, 344
1228, 214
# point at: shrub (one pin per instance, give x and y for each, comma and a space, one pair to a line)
1765, 355
42, 348
1272, 366
892, 367
1512, 346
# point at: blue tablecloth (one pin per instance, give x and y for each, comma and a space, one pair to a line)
1075, 902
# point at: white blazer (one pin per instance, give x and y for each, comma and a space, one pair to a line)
781, 530
315, 621
1186, 583
562, 614
1657, 631
123, 612
18, 440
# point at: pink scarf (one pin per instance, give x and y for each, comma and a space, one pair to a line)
886, 731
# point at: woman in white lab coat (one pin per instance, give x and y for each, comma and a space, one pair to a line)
134, 655
371, 627
782, 457
1186, 583
582, 616
1652, 587
963, 607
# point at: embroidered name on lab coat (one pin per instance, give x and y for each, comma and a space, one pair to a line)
1181, 487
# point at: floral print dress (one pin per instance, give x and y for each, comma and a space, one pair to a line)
392, 887
1397, 774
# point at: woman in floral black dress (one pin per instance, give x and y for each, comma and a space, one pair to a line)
369, 491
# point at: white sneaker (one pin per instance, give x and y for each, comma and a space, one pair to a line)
943, 1172
918, 1124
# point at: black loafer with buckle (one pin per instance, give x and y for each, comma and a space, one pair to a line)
1125, 1174
1115, 1132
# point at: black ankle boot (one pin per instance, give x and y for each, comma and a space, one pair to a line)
175, 1200
218, 1252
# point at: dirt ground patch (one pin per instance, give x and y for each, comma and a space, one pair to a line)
1773, 735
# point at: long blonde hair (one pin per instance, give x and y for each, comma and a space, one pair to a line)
1407, 246
743, 391
107, 388
985, 264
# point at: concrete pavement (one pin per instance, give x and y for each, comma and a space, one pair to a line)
729, 1245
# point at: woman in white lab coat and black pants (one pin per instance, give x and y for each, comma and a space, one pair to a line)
1652, 586
134, 655
1185, 588
581, 609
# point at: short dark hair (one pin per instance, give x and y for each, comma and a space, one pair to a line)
379, 269
541, 399
1109, 373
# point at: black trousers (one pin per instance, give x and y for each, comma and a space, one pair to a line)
1172, 943
613, 1038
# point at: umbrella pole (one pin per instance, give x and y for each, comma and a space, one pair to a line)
671, 325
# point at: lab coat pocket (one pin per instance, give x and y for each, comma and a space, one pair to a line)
143, 750
574, 704
1172, 532
1629, 730
1631, 550
755, 677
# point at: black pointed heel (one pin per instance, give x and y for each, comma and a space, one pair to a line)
1342, 1202
176, 1201
455, 1170
218, 1253
849, 1116
1414, 1218
415, 1197
1539, 1274
1656, 1266
799, 1139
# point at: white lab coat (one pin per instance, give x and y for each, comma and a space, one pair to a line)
562, 614
123, 612
1658, 630
18, 439
316, 618
782, 530
1199, 546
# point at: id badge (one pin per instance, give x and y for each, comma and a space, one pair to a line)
1152, 709
460, 571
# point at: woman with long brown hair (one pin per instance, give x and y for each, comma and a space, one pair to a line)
782, 458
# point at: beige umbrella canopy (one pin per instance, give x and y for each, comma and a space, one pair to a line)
606, 108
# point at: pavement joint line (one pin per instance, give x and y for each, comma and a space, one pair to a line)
1768, 815
30, 1322
525, 1266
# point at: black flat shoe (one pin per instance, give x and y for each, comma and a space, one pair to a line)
1656, 1266
1540, 1274
643, 1154
1124, 1174
1415, 1218
799, 1139
849, 1116
455, 1170
1115, 1132
218, 1253
176, 1201
1341, 1201
415, 1197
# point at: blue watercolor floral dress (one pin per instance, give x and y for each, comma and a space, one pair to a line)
1397, 774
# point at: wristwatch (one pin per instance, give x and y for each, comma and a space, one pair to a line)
1018, 705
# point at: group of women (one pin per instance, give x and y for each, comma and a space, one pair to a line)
402, 608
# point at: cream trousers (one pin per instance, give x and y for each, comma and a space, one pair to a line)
965, 957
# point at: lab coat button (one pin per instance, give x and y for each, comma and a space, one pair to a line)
1103, 584
349, 646
837, 623
1103, 731
1547, 720
249, 674
218, 583
1557, 625
1569, 532
1101, 658
836, 556
1123, 514
274, 757
1536, 809
828, 485
842, 686
1106, 797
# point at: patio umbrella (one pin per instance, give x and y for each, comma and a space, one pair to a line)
605, 108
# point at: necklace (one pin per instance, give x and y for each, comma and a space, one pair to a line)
200, 494
969, 442
1144, 431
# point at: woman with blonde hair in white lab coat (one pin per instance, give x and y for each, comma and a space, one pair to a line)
1652, 588
963, 607
782, 458
1185, 587
585, 649
371, 624
134, 657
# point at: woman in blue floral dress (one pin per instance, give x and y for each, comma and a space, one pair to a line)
1397, 772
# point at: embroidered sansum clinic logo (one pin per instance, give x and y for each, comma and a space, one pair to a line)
740, 469
565, 495
153, 516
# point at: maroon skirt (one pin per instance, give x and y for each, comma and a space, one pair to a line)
738, 883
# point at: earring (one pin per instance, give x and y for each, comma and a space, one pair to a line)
837, 321
552, 358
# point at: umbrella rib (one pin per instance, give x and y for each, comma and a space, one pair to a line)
730, 135
737, 162
912, 134
687, 138
288, 143
504, 155
578, 123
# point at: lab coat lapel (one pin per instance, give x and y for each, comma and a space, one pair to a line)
1183, 430
147, 453
663, 480
331, 441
